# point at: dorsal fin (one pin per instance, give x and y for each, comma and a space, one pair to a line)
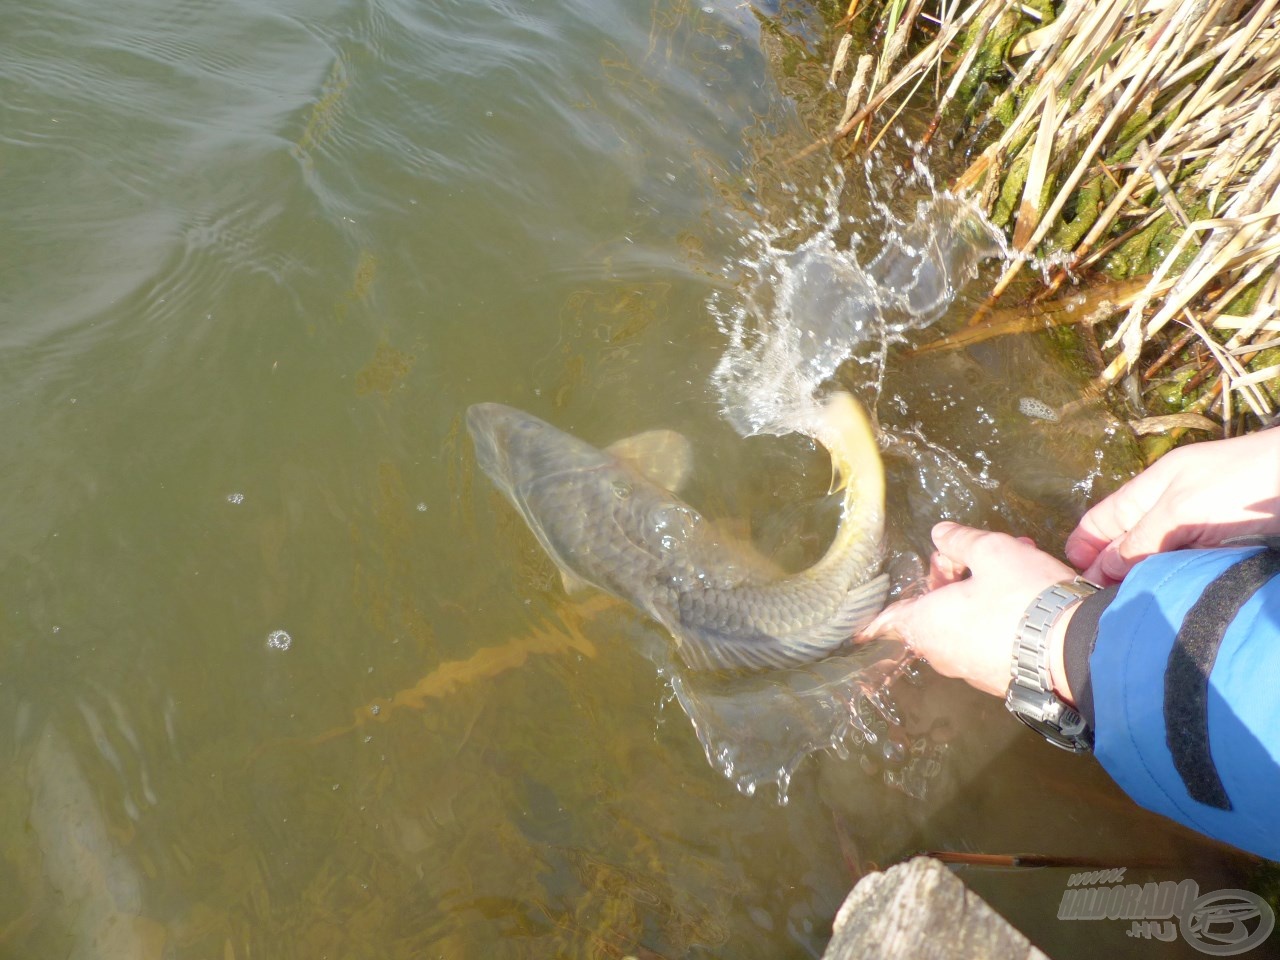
663, 456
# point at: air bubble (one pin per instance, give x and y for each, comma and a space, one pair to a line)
279, 640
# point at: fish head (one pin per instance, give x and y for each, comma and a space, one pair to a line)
514, 448
596, 516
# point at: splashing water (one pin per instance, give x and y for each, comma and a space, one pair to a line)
808, 305
757, 730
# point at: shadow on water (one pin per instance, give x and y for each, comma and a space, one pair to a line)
263, 256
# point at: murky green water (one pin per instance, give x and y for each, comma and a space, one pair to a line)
258, 259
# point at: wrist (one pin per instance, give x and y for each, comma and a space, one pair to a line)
1039, 695
1058, 679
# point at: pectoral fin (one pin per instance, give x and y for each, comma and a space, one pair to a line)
574, 586
663, 456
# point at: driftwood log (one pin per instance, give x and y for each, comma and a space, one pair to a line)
919, 910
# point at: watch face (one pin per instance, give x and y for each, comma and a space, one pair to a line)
1081, 743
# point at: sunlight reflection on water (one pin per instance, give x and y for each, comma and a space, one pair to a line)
261, 257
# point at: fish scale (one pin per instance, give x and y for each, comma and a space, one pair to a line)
603, 520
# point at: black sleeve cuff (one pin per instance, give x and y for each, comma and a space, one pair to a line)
1077, 645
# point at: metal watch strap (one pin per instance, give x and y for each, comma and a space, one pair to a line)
1031, 650
1030, 696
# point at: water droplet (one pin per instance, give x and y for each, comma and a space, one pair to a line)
279, 640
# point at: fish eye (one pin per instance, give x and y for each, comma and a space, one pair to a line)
621, 489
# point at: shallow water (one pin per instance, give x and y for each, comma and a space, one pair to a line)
259, 258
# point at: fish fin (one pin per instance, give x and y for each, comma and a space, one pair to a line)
859, 607
706, 648
574, 586
663, 456
838, 480
844, 427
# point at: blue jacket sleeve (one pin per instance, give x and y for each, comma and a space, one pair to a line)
1185, 674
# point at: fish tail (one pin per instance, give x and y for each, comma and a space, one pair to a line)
843, 427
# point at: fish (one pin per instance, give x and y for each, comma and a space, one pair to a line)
99, 892
611, 518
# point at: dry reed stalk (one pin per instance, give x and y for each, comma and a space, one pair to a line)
1143, 118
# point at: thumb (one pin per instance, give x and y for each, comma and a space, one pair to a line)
977, 550
889, 622
1083, 547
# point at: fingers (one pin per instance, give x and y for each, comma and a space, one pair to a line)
1122, 554
943, 570
1088, 539
977, 550
968, 563
888, 623
1103, 523
1114, 516
1082, 550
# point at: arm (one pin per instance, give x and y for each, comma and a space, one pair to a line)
1183, 673
1112, 656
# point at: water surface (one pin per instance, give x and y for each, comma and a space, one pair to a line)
259, 258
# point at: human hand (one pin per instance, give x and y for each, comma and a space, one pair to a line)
1196, 496
980, 584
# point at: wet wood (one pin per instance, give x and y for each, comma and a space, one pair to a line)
1078, 307
919, 910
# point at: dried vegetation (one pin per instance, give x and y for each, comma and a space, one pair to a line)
1132, 146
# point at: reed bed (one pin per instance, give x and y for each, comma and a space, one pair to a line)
1130, 150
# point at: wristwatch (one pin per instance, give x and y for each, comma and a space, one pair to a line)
1030, 697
